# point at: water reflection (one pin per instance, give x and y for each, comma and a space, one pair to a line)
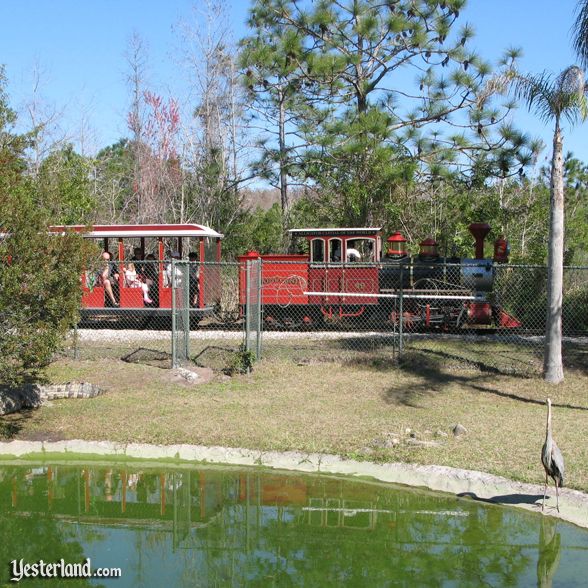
219, 527
549, 552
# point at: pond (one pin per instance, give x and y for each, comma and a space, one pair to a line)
212, 526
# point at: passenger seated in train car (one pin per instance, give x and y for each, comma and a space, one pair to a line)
353, 254
137, 254
108, 277
194, 278
361, 250
151, 278
140, 268
134, 280
177, 272
335, 250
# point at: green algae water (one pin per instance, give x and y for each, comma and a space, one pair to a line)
211, 526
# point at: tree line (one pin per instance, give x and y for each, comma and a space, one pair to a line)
357, 113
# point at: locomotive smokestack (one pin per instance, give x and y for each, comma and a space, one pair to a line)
479, 231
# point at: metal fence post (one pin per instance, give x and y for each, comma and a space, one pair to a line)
173, 317
259, 321
75, 343
400, 312
186, 305
248, 306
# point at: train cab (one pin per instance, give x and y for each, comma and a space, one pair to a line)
334, 276
342, 277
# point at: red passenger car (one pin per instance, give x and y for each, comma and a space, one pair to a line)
159, 241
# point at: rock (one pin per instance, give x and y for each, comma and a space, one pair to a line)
413, 434
188, 375
440, 433
459, 429
391, 442
407, 431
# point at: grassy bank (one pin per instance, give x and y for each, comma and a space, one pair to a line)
318, 404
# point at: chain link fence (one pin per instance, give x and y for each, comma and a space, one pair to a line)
209, 314
474, 313
164, 314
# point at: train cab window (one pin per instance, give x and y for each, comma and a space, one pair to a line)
335, 249
317, 251
360, 250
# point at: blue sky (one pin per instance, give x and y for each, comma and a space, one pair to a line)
79, 46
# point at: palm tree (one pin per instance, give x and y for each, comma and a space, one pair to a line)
553, 98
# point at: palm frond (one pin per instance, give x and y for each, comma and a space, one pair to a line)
539, 92
580, 32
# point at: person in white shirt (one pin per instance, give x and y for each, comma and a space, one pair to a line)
177, 277
353, 254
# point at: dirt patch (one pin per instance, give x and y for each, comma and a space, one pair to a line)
217, 358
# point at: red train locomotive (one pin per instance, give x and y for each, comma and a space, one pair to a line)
347, 275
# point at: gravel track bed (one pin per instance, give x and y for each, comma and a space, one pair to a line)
139, 335
135, 335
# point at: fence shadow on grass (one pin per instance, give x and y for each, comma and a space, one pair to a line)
151, 357
487, 364
216, 358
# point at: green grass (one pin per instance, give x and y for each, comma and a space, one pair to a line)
323, 398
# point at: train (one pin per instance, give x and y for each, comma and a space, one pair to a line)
339, 275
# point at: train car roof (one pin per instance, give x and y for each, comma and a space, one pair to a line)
336, 231
163, 230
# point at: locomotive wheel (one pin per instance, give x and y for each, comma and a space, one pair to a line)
409, 323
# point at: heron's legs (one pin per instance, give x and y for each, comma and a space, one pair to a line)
557, 494
544, 493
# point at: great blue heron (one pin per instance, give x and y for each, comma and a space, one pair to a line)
552, 460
